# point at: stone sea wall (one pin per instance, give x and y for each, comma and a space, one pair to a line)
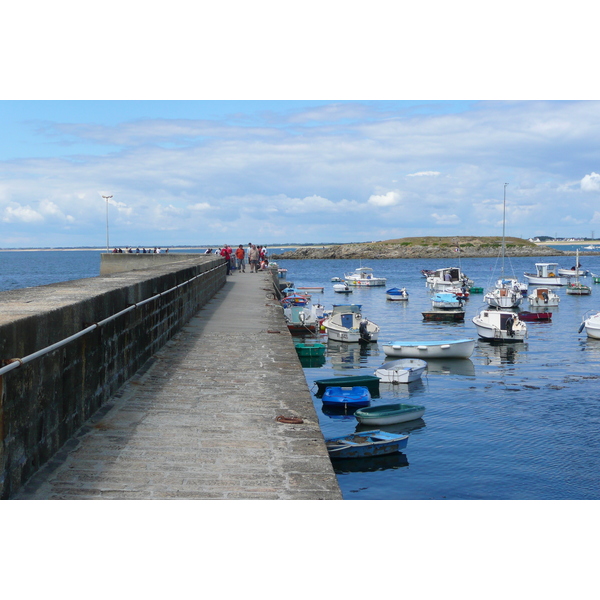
45, 400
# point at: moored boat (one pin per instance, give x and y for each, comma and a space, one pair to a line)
546, 274
543, 297
396, 294
446, 300
310, 349
369, 381
389, 414
444, 314
363, 277
342, 288
591, 324
347, 396
448, 277
403, 370
500, 326
461, 348
346, 324
535, 316
366, 443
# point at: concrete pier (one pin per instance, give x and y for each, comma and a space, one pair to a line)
199, 420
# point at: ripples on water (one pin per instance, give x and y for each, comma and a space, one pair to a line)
516, 421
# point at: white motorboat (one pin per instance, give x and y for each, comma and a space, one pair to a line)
403, 370
445, 300
363, 277
500, 325
546, 274
342, 288
543, 297
504, 297
442, 279
462, 348
397, 294
591, 324
346, 324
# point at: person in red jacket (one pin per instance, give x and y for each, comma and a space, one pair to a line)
226, 254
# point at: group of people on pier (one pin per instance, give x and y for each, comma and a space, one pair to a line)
254, 256
130, 250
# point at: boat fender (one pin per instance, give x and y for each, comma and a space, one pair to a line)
293, 420
581, 327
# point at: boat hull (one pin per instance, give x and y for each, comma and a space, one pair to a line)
426, 349
444, 315
492, 325
366, 444
389, 414
404, 370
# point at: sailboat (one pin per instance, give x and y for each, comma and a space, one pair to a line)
578, 289
507, 293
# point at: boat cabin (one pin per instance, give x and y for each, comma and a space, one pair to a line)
546, 269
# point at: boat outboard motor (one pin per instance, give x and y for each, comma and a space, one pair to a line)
365, 336
545, 297
509, 327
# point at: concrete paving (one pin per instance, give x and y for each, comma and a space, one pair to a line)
199, 422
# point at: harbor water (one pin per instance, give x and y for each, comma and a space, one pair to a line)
515, 421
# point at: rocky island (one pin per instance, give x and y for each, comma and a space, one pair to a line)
426, 247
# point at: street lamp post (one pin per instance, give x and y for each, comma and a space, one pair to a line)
107, 198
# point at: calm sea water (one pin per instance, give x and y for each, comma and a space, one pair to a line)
516, 421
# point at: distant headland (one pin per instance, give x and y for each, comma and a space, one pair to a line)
428, 247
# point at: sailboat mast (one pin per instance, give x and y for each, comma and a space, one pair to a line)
503, 229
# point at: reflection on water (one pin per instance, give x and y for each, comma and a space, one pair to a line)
370, 464
401, 428
501, 354
451, 366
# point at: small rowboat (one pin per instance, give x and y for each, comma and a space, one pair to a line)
369, 381
444, 314
388, 414
403, 370
311, 349
462, 348
535, 316
368, 443
347, 396
397, 294
342, 288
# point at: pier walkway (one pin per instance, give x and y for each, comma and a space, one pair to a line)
199, 421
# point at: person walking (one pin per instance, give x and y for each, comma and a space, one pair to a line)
253, 259
239, 256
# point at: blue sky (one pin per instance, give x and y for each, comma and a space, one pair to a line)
194, 152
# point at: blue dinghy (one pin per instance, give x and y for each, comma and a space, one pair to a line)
367, 443
346, 396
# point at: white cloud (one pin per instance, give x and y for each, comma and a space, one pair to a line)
425, 174
23, 214
389, 199
199, 206
591, 182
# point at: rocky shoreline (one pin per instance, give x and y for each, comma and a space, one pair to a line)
382, 250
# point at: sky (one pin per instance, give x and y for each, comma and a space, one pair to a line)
353, 135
